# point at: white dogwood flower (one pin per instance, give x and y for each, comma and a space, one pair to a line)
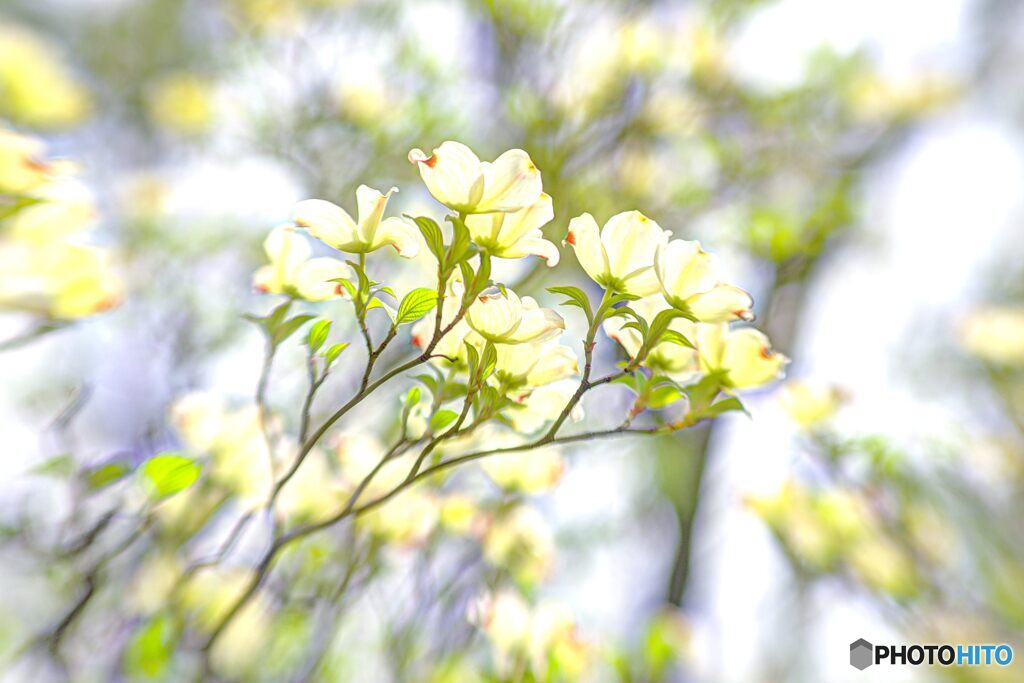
744, 355
689, 281
333, 225
621, 255
500, 316
292, 271
459, 180
518, 234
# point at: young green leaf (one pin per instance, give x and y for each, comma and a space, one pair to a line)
60, 466
659, 326
105, 475
488, 361
724, 406
675, 337
442, 418
576, 298
318, 335
459, 249
149, 649
288, 328
333, 351
663, 396
415, 305
169, 473
432, 236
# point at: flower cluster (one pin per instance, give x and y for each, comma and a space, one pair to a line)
495, 379
664, 303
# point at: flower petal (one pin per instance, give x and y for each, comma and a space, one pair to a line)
628, 338
552, 362
328, 222
313, 281
630, 240
521, 223
452, 174
749, 360
495, 314
534, 245
536, 324
721, 304
287, 250
585, 238
511, 183
370, 204
683, 269
399, 234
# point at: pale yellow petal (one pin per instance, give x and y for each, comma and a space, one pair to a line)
722, 303
749, 360
370, 205
495, 314
518, 225
399, 234
534, 245
452, 174
314, 279
287, 251
683, 269
537, 324
328, 222
511, 183
585, 238
630, 240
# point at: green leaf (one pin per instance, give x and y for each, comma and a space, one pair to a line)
60, 466
276, 316
350, 288
660, 325
333, 351
488, 361
483, 274
377, 303
459, 249
318, 335
150, 647
577, 297
270, 322
726, 405
703, 392
442, 419
432, 236
409, 401
613, 301
675, 337
663, 396
428, 381
289, 327
11, 205
364, 281
169, 473
105, 475
472, 358
416, 304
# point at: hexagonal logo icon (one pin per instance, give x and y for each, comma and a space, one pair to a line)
861, 654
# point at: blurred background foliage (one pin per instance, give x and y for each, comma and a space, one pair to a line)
194, 126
